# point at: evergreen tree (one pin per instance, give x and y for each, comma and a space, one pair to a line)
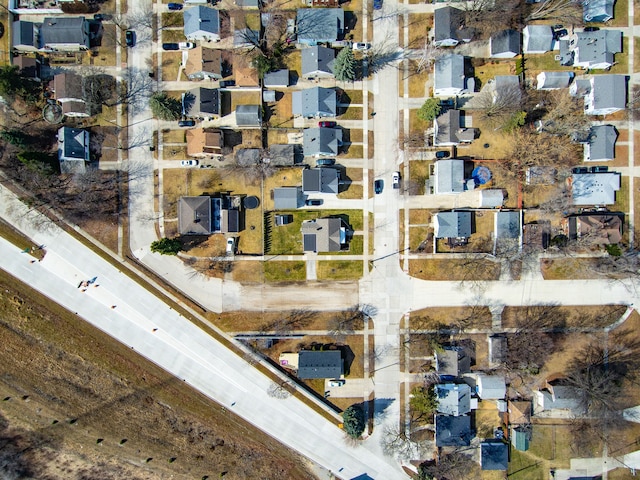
166, 246
165, 107
429, 110
354, 421
344, 67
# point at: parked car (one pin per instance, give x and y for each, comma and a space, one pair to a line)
336, 382
325, 162
170, 46
227, 83
580, 170
327, 124
361, 46
313, 202
442, 154
560, 33
558, 27
130, 38
377, 4
396, 180
591, 29
174, 6
448, 103
599, 169
186, 45
231, 246
378, 185
186, 123
189, 163
100, 17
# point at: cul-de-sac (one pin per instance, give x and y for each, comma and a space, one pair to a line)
319, 239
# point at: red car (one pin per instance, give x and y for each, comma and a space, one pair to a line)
327, 124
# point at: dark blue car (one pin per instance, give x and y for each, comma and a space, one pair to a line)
174, 6
377, 4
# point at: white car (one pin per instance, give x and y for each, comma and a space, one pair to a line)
396, 179
189, 163
336, 383
231, 246
361, 46
186, 45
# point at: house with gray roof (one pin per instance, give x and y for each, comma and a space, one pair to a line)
594, 188
24, 36
597, 10
73, 150
320, 180
246, 38
324, 235
494, 455
206, 214
287, 198
505, 44
537, 39
453, 399
203, 103
601, 143
249, 116
591, 50
448, 27
607, 94
491, 387
554, 80
453, 431
449, 176
319, 25
556, 400
449, 78
320, 364
317, 62
64, 34
454, 224
321, 142
277, 79
202, 23
452, 361
314, 102
507, 224
448, 130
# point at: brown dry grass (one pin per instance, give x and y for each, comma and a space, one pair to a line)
244, 98
284, 177
243, 321
568, 268
105, 232
419, 25
574, 316
282, 116
436, 316
453, 269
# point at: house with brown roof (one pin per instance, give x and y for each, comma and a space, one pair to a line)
204, 142
519, 412
594, 228
203, 64
68, 90
245, 74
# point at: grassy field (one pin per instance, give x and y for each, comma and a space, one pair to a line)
569, 268
559, 317
454, 269
339, 270
285, 271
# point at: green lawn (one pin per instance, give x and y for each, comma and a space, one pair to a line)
339, 270
523, 467
285, 271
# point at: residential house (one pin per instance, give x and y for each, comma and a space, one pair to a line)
594, 188
606, 94
448, 27
320, 364
507, 224
597, 10
203, 103
64, 34
596, 228
24, 36
324, 235
554, 80
520, 438
454, 224
246, 38
519, 412
28, 67
490, 198
556, 400
448, 176
201, 23
283, 155
73, 150
319, 25
449, 78
249, 116
505, 44
491, 387
314, 102
453, 431
453, 399
537, 39
203, 63
68, 91
245, 74
317, 62
205, 215
601, 143
287, 198
321, 142
321, 180
251, 4
452, 361
449, 129
494, 455
591, 50
204, 142
277, 79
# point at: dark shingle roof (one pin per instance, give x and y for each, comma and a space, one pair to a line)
320, 364
453, 431
60, 30
494, 455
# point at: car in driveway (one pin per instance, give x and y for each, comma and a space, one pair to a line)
186, 123
395, 178
361, 46
442, 154
599, 169
227, 83
378, 186
174, 6
170, 46
313, 202
591, 29
231, 246
186, 45
189, 163
338, 382
325, 162
327, 124
580, 170
130, 38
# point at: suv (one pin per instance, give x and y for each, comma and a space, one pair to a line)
396, 180
231, 246
313, 202
170, 46
442, 154
186, 123
378, 185
325, 162
130, 38
327, 124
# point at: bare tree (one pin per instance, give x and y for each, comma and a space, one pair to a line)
569, 11
633, 105
490, 16
428, 56
293, 320
347, 321
396, 442
563, 115
455, 465
497, 104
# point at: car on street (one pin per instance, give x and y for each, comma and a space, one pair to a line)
189, 163
170, 46
130, 38
396, 180
231, 246
336, 382
327, 124
313, 202
186, 123
325, 162
186, 45
378, 185
174, 6
361, 46
377, 4
442, 154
